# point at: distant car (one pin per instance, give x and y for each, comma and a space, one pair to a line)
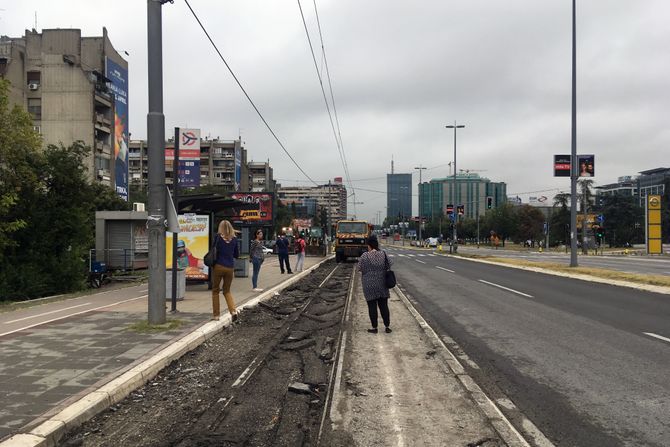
267, 251
431, 242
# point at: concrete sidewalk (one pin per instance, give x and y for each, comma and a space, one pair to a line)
47, 368
406, 388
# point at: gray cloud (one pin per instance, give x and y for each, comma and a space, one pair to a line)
401, 71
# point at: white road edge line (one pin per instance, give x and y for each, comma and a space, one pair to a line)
446, 270
46, 313
71, 315
505, 288
420, 261
660, 337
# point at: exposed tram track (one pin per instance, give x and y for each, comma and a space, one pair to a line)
264, 381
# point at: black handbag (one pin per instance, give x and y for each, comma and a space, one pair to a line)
389, 277
210, 257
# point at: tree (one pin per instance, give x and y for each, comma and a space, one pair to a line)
19, 147
624, 220
503, 220
531, 222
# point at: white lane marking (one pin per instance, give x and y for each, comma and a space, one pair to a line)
411, 256
46, 313
421, 254
505, 288
418, 260
432, 254
401, 255
660, 337
71, 315
442, 268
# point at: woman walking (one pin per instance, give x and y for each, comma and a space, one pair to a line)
257, 258
373, 265
224, 268
299, 253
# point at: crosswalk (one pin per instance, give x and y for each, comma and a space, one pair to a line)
410, 255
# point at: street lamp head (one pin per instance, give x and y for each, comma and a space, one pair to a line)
460, 126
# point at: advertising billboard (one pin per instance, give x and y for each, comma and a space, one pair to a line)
263, 215
192, 246
238, 167
189, 158
585, 163
562, 165
119, 85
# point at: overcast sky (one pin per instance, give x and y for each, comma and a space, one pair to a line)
400, 72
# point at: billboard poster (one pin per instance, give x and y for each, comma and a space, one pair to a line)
562, 165
192, 246
585, 163
189, 158
238, 167
262, 215
119, 85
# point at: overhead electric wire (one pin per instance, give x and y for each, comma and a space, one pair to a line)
246, 94
338, 140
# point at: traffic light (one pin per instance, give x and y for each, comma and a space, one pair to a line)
489, 202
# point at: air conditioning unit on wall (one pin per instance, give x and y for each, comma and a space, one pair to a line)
33, 86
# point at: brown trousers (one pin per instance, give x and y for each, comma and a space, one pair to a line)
226, 274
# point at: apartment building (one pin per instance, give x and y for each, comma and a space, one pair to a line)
222, 163
261, 177
75, 88
332, 197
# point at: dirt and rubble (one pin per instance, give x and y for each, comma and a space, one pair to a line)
262, 381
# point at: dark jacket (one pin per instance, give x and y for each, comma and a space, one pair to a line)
282, 246
227, 252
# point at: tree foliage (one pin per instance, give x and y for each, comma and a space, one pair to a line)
48, 209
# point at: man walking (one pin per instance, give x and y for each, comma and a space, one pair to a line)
282, 253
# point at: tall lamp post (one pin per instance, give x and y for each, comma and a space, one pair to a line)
455, 210
420, 169
573, 153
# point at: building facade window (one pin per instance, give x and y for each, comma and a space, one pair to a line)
35, 108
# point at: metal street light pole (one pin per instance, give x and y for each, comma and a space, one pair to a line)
420, 168
455, 210
573, 156
156, 161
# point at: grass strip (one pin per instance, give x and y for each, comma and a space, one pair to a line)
143, 327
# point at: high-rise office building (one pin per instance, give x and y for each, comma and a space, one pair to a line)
398, 197
471, 192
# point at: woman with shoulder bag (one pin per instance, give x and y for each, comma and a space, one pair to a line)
224, 268
256, 256
373, 266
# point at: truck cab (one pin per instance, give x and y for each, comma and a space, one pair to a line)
351, 239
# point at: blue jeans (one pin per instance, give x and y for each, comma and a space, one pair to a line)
257, 269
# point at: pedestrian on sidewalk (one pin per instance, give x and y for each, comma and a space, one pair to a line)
299, 253
257, 256
282, 253
224, 268
372, 266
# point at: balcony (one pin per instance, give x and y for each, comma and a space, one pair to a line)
103, 147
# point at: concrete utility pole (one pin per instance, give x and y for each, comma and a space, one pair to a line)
573, 156
420, 168
156, 162
455, 204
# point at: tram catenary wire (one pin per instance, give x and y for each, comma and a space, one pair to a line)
247, 95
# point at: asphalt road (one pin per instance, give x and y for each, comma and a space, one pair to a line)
587, 363
656, 265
